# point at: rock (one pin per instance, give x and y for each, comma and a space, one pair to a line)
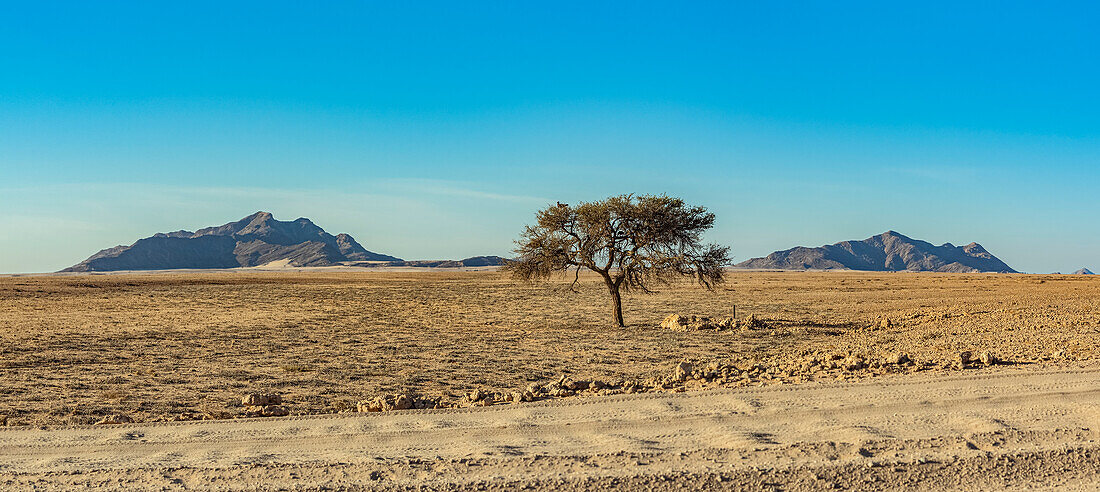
113, 419
682, 371
885, 323
269, 411
693, 322
752, 322
261, 399
963, 360
699, 323
534, 388
899, 358
386, 403
399, 402
988, 359
575, 385
674, 322
854, 363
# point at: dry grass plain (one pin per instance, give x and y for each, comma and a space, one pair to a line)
157, 345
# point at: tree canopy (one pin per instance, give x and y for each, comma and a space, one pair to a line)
632, 242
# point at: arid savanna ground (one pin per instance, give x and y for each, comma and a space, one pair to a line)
154, 346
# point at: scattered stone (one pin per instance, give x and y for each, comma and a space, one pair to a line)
186, 416
988, 359
854, 363
795, 368
386, 403
753, 323
963, 360
114, 419
682, 371
676, 322
900, 358
261, 399
267, 411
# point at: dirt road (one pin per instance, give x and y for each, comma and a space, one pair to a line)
994, 429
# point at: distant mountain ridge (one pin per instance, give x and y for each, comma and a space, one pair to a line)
1084, 271
252, 241
475, 261
889, 251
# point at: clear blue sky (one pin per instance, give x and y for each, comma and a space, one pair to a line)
436, 130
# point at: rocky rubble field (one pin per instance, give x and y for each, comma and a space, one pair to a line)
805, 367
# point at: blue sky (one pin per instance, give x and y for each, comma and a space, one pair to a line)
436, 130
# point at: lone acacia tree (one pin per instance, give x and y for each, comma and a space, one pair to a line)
631, 241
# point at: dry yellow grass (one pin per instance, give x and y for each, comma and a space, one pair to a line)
153, 346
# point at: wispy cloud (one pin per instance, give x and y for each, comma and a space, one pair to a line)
945, 174
456, 188
377, 189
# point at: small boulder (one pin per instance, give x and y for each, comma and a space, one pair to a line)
261, 399
900, 358
674, 322
988, 359
682, 371
752, 323
386, 403
114, 419
699, 323
854, 363
269, 411
963, 360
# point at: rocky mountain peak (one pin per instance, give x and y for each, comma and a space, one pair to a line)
889, 251
251, 241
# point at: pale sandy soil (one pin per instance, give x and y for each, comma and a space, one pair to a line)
155, 346
994, 429
160, 347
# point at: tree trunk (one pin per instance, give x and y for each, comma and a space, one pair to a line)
616, 303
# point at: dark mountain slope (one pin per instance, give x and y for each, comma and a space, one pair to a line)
251, 241
888, 251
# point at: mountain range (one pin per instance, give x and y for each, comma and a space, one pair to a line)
476, 261
889, 251
1084, 271
252, 241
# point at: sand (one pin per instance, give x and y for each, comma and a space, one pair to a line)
1031, 427
159, 347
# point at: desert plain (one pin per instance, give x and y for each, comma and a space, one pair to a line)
827, 379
